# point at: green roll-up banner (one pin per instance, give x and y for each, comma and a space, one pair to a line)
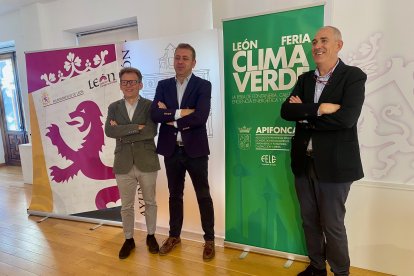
263, 56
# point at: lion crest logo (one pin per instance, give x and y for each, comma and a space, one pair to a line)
85, 159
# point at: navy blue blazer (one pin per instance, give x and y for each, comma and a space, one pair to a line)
334, 136
192, 127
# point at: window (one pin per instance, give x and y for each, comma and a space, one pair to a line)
114, 34
9, 91
12, 127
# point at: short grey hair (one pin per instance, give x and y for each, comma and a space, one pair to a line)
336, 32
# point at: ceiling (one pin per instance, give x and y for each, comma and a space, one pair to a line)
7, 6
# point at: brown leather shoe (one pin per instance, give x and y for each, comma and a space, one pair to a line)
209, 251
168, 245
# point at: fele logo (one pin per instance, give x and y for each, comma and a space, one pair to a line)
102, 81
268, 160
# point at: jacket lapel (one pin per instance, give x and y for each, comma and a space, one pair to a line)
171, 99
333, 81
188, 90
138, 110
123, 111
309, 85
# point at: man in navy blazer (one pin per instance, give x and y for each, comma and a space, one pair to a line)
325, 157
182, 106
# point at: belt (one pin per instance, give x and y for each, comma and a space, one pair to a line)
180, 144
309, 153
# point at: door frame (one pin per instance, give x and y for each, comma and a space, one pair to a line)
3, 124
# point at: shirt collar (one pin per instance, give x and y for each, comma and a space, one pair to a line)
327, 76
187, 79
139, 97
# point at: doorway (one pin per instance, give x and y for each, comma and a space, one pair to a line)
12, 127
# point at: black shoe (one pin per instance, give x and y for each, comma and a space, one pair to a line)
312, 271
152, 244
128, 245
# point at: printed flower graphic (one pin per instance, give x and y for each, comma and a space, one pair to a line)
72, 60
72, 65
48, 79
96, 60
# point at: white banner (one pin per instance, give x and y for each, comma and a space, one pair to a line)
154, 57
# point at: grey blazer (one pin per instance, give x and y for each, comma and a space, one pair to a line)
133, 146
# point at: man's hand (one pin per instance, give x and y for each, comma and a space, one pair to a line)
324, 108
187, 111
183, 112
328, 108
295, 99
140, 127
113, 123
162, 105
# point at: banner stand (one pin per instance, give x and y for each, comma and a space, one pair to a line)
260, 71
270, 252
74, 218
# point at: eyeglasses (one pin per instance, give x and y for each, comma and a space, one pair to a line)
129, 82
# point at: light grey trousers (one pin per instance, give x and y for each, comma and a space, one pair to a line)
128, 187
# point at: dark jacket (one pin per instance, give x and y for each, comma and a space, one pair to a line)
192, 127
334, 136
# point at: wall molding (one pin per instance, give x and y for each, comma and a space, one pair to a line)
385, 185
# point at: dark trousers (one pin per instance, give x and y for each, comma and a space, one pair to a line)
322, 206
176, 167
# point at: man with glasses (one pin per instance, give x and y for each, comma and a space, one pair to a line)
325, 157
136, 162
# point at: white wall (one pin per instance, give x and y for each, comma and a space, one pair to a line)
228, 9
380, 216
50, 25
380, 228
380, 213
